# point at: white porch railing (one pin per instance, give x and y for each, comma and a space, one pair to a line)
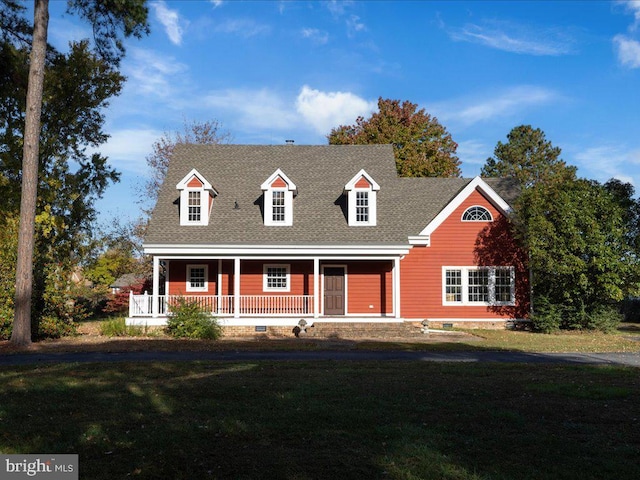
223, 305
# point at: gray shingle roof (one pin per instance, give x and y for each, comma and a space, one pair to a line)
405, 205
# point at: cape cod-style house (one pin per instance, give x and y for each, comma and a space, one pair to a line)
264, 236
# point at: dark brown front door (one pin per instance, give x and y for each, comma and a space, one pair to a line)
334, 291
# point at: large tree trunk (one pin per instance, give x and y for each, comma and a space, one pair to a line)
21, 334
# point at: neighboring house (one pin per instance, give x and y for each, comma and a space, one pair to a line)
123, 281
267, 235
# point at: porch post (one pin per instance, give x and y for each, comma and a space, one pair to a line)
236, 288
316, 287
156, 286
219, 286
396, 287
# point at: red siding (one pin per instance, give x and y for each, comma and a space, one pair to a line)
177, 284
363, 183
457, 243
194, 183
251, 280
370, 288
278, 183
369, 284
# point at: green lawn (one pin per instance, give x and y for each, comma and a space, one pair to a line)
327, 420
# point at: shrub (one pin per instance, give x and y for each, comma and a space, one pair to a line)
6, 323
604, 318
119, 302
189, 320
54, 327
117, 327
547, 317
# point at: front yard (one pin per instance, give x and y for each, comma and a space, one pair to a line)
327, 420
626, 339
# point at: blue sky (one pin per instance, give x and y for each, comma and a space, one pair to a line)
276, 70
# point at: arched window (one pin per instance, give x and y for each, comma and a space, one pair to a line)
477, 214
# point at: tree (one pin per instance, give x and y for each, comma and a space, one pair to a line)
577, 236
422, 146
580, 235
204, 133
528, 157
108, 18
21, 334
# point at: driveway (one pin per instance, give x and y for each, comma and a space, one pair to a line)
627, 359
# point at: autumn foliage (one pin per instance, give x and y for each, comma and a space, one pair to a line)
422, 146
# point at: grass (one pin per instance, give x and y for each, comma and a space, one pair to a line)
327, 420
627, 339
113, 336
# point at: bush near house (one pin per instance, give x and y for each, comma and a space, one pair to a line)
189, 320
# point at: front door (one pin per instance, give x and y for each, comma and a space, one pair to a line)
334, 291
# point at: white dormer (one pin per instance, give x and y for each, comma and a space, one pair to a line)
361, 200
278, 199
196, 199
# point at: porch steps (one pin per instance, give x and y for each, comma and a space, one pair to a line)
364, 330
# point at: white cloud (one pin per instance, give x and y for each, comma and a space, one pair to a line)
216, 3
244, 27
63, 30
151, 73
312, 110
253, 108
354, 25
516, 38
633, 7
607, 161
337, 8
319, 37
504, 104
628, 51
326, 110
127, 149
473, 152
171, 21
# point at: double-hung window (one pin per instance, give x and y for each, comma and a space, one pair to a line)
197, 278
195, 206
278, 206
276, 278
362, 206
196, 199
278, 192
478, 286
361, 192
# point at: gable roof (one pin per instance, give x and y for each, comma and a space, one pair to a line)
405, 205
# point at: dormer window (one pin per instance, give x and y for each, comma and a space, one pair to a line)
361, 198
362, 206
195, 206
278, 199
196, 199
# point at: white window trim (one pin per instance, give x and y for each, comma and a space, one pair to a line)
352, 196
465, 287
207, 192
268, 199
480, 221
206, 278
265, 283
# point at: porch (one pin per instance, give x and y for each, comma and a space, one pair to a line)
273, 288
225, 305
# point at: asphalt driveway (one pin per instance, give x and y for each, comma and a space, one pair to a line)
628, 359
